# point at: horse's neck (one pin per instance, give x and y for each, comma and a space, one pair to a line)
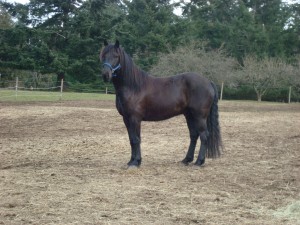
130, 81
120, 86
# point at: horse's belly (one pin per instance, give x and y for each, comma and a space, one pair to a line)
163, 113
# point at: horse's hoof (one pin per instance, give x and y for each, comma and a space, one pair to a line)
132, 167
200, 162
186, 161
135, 163
130, 162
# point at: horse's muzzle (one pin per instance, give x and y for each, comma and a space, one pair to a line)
106, 76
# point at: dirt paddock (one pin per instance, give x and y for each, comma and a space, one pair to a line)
65, 163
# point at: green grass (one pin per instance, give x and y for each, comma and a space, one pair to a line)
10, 96
291, 211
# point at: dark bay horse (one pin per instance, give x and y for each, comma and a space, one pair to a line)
142, 97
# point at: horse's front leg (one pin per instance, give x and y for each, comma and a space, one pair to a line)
133, 126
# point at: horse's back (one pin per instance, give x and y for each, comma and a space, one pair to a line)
197, 82
192, 86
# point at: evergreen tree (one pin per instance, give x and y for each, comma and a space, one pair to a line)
243, 27
5, 19
148, 26
66, 36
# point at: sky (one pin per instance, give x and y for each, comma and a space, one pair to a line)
19, 1
26, 1
177, 11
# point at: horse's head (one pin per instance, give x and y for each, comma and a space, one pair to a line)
110, 57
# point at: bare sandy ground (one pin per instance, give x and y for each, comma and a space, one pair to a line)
65, 163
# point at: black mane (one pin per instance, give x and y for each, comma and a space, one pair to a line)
134, 77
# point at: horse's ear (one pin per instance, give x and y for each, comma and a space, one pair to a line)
105, 43
117, 44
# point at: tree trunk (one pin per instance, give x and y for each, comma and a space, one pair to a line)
259, 95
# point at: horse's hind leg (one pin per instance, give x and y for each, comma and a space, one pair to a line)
194, 134
197, 127
203, 148
203, 131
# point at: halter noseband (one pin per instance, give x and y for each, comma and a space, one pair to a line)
113, 69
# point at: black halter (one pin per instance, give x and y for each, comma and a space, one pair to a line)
113, 69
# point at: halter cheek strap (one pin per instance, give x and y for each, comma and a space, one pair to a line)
113, 69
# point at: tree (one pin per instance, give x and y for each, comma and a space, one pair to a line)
148, 26
210, 20
265, 74
245, 35
195, 57
63, 36
294, 79
5, 19
256, 27
292, 32
95, 21
66, 36
17, 11
52, 13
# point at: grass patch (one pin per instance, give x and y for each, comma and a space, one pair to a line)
291, 211
21, 96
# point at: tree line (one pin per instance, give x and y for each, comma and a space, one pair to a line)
253, 42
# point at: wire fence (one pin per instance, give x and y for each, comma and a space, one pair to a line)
286, 94
14, 90
19, 89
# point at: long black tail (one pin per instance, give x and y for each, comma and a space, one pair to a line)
214, 139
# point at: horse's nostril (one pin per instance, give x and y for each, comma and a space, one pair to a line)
106, 76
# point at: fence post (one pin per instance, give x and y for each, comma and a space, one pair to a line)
290, 93
106, 90
16, 88
221, 94
61, 88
